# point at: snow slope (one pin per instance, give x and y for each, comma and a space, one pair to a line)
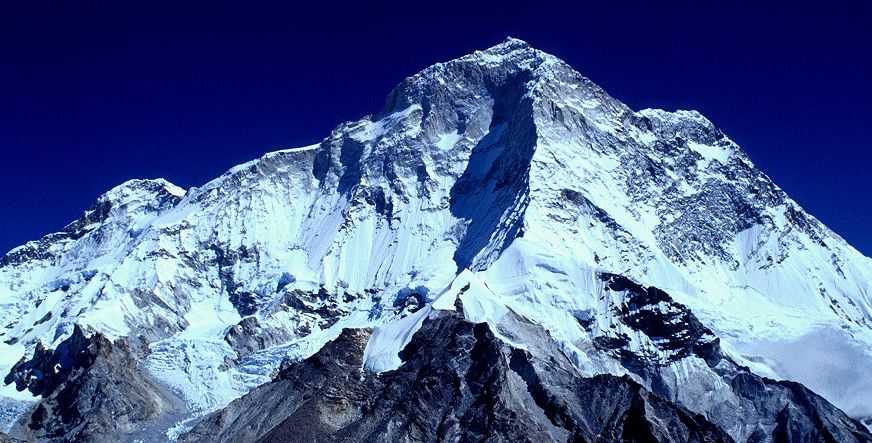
504, 179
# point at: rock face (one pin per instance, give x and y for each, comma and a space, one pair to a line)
91, 390
459, 382
639, 251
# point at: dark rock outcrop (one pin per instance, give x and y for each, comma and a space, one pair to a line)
458, 383
674, 329
92, 390
797, 413
764, 409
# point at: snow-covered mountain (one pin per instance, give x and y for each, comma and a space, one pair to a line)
502, 186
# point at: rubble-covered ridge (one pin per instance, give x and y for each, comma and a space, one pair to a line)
504, 185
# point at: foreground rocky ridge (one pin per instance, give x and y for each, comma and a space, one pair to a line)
91, 389
641, 245
459, 382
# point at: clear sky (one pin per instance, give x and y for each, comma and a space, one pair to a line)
94, 93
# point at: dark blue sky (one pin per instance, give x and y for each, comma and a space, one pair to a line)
99, 92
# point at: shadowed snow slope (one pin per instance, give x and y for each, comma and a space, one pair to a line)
505, 180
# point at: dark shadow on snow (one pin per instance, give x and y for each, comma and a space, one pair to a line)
493, 191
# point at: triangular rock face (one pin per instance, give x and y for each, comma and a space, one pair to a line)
644, 244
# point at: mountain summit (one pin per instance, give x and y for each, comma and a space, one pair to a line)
503, 251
